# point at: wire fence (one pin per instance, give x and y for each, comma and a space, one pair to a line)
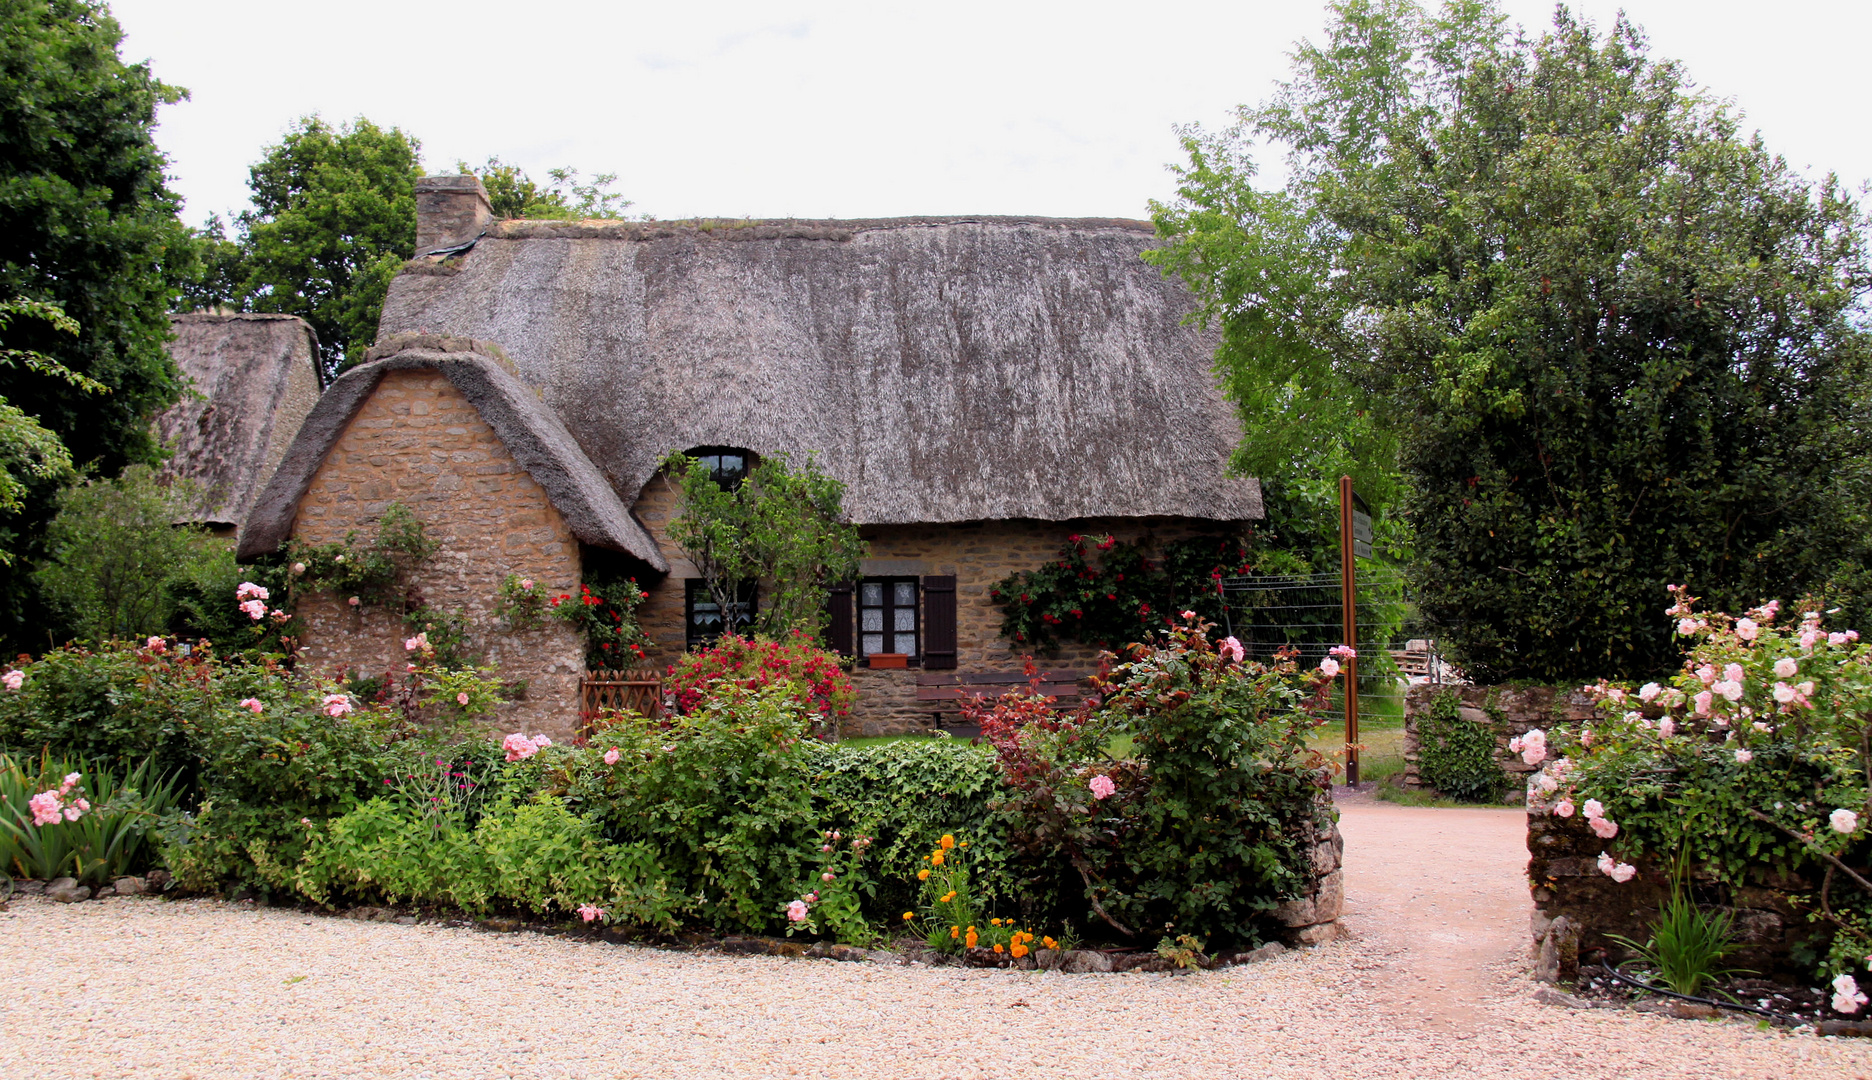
1305, 613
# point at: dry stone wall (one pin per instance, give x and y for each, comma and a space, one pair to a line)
1513, 710
419, 442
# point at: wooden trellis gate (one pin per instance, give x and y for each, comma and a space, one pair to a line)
638, 689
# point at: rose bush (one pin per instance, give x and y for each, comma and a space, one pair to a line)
810, 676
1750, 764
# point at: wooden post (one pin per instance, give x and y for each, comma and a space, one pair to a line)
1348, 586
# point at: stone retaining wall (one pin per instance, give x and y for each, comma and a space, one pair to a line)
1513, 710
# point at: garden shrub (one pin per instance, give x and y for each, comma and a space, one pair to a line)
1203, 832
809, 676
605, 612
723, 793
1749, 765
115, 702
1456, 756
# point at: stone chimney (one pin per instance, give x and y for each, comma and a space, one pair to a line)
450, 211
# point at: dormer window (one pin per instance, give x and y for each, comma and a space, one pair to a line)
728, 466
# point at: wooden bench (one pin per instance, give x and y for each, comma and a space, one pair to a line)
959, 686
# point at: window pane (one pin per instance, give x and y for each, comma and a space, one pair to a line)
871, 619
871, 594
873, 643
906, 594
905, 618
906, 644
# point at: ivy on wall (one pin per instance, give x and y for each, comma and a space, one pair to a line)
1104, 591
1457, 756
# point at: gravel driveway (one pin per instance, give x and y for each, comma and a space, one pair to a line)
1428, 986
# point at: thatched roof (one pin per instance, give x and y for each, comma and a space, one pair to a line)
946, 369
254, 381
537, 440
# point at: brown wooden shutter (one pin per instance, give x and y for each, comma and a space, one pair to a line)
839, 625
939, 623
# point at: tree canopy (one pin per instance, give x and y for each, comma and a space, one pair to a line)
1601, 341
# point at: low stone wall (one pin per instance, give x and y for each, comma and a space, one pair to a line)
1513, 710
1577, 907
1313, 919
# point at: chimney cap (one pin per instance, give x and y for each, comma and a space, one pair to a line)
469, 182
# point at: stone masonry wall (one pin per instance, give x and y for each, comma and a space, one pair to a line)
419, 442
978, 554
1575, 906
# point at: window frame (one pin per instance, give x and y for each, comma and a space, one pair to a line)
888, 608
694, 588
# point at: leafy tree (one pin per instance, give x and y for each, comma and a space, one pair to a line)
513, 194
334, 219
781, 526
114, 546
88, 227
1615, 344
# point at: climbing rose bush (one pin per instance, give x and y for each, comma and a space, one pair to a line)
1751, 760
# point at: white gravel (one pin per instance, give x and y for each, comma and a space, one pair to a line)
198, 989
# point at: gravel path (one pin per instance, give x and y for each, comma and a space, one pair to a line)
1427, 986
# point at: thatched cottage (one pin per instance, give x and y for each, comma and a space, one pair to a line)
983, 387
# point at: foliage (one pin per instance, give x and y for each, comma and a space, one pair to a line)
1203, 832
197, 595
1614, 342
513, 194
782, 526
956, 911
444, 638
607, 615
334, 220
374, 571
26, 445
118, 702
1122, 595
114, 546
721, 792
1750, 765
521, 602
805, 674
105, 842
838, 885
1687, 944
536, 856
1456, 756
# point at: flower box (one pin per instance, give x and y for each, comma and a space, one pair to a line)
889, 659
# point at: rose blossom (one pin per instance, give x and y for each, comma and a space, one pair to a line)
796, 911
1343, 652
1809, 635
1594, 810
1687, 627
1703, 702
336, 704
1847, 996
1786, 667
1743, 757
1747, 629
1729, 689
45, 808
611, 756
1231, 649
1617, 871
252, 704
1189, 615
1532, 747
461, 698
1836, 638
1843, 821
14, 679
1733, 672
1329, 667
1563, 808
249, 591
1707, 674
355, 602
1783, 693
1649, 691
298, 568
1666, 728
1102, 787
526, 583
590, 912
255, 609
1605, 827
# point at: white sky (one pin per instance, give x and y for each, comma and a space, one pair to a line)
790, 109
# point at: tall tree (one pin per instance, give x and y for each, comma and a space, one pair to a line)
1616, 344
334, 219
88, 227
514, 194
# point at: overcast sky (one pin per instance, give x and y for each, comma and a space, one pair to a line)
786, 109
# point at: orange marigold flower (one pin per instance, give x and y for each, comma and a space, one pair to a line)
948, 841
971, 939
955, 931
1017, 949
1049, 943
923, 874
998, 948
994, 922
937, 858
908, 915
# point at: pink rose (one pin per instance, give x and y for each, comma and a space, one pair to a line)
461, 698
14, 679
1847, 997
1563, 808
1809, 636
1329, 668
1703, 702
796, 911
1733, 672
45, 808
1707, 674
1843, 821
1343, 652
1102, 787
1836, 639
1786, 668
1189, 615
1231, 649
1605, 827
249, 591
526, 583
255, 609
590, 912
1617, 871
336, 704
1649, 691
518, 747
1743, 757
1747, 629
252, 704
611, 756
355, 602
1666, 728
1594, 810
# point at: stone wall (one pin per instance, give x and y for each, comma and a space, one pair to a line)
1313, 919
419, 442
1577, 907
1518, 709
978, 554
